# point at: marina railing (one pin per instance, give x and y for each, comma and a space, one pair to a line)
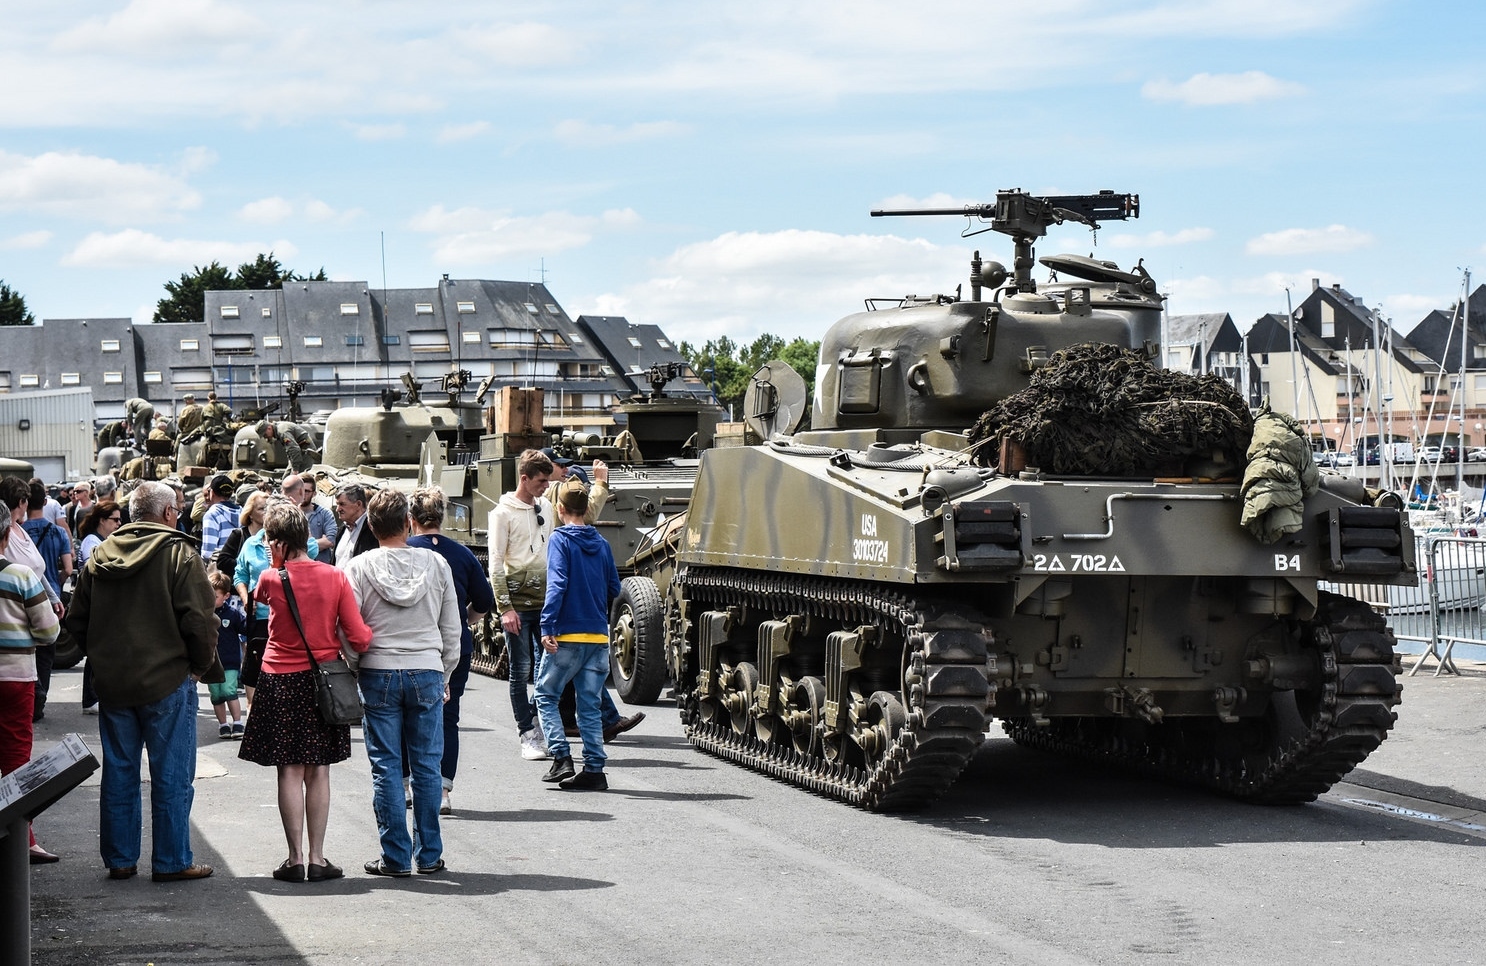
1445, 608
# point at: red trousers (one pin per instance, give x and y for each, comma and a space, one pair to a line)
17, 703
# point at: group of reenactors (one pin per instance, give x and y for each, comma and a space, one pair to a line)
163, 443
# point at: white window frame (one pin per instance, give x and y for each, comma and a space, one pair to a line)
422, 308
109, 345
464, 308
190, 345
151, 376
113, 378
471, 336
72, 379
273, 342
30, 380
313, 342
230, 312
350, 308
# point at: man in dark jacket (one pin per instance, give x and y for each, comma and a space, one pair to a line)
143, 613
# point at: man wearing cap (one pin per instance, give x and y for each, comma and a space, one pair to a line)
188, 420
598, 493
221, 514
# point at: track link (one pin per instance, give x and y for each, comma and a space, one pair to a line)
1351, 713
946, 703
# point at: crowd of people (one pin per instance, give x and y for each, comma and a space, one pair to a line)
251, 592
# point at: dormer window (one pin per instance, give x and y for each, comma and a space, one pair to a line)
350, 308
229, 311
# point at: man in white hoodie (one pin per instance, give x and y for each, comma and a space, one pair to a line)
406, 595
520, 525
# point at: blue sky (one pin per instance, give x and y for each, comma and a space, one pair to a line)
709, 167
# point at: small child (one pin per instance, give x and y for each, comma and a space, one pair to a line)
231, 629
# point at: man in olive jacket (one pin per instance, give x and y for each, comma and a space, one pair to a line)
143, 613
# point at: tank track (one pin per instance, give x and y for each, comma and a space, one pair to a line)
946, 716
1352, 714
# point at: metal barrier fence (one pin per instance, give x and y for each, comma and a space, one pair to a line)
1448, 605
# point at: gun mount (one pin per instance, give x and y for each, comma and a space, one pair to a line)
1026, 218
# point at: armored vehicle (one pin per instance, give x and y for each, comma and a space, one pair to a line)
848, 608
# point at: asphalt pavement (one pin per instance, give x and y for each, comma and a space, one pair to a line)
686, 859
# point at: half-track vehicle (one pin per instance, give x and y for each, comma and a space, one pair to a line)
849, 608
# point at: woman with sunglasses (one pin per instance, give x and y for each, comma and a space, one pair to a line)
98, 525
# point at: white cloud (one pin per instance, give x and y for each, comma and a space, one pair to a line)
86, 186
197, 159
1160, 239
159, 25
266, 211
506, 46
474, 235
790, 283
132, 248
30, 239
379, 132
1305, 241
1411, 308
271, 211
451, 133
581, 134
1207, 90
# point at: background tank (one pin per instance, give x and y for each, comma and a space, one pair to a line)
849, 608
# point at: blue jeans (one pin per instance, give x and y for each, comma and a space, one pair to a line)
405, 707
168, 729
587, 666
457, 682
520, 650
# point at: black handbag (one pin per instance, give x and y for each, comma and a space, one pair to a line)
336, 695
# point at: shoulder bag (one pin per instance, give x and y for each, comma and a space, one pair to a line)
336, 697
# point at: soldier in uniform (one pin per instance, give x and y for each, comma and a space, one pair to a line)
297, 443
162, 430
139, 415
188, 420
113, 434
216, 425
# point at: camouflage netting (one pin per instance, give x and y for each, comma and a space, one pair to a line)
1099, 410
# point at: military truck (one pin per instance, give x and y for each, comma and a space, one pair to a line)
849, 608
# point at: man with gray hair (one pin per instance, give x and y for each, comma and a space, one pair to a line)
301, 490
144, 614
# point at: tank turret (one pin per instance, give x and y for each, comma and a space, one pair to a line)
939, 361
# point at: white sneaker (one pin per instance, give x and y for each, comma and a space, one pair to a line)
534, 746
444, 807
90, 709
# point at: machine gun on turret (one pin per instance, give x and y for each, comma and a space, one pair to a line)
661, 373
1026, 218
293, 388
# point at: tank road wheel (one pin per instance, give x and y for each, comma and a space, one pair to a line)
885, 719
798, 725
490, 658
738, 689
637, 641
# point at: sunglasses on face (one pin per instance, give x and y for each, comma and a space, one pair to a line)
114, 519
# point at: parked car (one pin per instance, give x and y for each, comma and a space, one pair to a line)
1476, 454
1429, 454
1345, 459
1324, 457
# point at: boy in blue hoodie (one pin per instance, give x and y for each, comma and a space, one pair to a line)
581, 582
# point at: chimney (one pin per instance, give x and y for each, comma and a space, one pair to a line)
1315, 284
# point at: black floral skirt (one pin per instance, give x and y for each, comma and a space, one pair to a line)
284, 728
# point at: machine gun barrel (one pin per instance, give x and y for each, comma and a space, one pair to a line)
1027, 217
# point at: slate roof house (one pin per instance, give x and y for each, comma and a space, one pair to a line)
1211, 343
346, 341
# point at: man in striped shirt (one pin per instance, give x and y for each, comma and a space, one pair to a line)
221, 515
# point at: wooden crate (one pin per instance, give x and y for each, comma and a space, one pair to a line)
516, 412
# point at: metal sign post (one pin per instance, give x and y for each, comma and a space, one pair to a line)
24, 794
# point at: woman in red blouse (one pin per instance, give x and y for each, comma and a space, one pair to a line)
284, 728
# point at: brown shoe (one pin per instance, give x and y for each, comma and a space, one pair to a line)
189, 872
123, 872
622, 725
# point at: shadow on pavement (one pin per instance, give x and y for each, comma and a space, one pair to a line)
358, 883
527, 815
1013, 792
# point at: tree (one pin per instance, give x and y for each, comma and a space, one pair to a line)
187, 297
732, 365
13, 309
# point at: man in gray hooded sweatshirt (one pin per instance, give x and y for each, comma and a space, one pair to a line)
406, 595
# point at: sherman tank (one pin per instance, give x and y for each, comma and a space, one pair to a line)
850, 608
